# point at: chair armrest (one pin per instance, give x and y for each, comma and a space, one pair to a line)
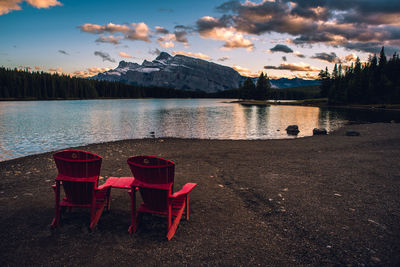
184, 191
103, 187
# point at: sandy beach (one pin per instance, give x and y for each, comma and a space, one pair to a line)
322, 200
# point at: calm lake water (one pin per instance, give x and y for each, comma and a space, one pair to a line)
33, 127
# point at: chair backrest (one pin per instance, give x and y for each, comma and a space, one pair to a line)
153, 170
78, 165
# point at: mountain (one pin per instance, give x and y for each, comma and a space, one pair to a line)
185, 73
179, 72
295, 82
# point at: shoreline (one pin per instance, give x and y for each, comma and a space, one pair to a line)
320, 104
318, 200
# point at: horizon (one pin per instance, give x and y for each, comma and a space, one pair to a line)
285, 39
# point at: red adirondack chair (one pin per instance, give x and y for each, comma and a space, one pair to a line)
78, 173
154, 177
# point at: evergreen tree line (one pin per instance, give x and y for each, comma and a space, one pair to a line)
17, 84
374, 82
259, 91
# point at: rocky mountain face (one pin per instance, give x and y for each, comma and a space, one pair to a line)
179, 72
184, 73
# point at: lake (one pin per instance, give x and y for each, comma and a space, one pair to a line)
31, 127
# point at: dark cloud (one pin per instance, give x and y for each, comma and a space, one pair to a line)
180, 36
109, 39
161, 30
298, 54
222, 59
358, 23
292, 67
209, 23
184, 28
281, 48
284, 58
104, 56
331, 58
229, 6
63, 52
372, 47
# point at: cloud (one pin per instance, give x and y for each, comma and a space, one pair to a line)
123, 54
139, 31
281, 48
298, 54
222, 59
350, 57
212, 28
331, 57
180, 36
167, 39
104, 56
356, 25
63, 52
89, 72
109, 39
190, 54
155, 52
293, 67
108, 28
241, 70
161, 30
7, 6
134, 31
57, 70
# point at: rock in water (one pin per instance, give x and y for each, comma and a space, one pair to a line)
319, 131
292, 129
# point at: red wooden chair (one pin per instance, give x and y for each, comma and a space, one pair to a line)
154, 177
78, 173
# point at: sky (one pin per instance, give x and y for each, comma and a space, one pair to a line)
282, 38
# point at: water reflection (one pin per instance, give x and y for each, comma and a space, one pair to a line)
38, 126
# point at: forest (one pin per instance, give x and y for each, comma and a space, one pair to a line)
375, 82
24, 85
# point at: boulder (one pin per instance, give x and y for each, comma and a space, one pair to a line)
319, 131
292, 129
352, 133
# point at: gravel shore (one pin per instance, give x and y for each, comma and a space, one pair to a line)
322, 200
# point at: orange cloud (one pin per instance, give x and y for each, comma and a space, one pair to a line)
123, 54
7, 6
89, 72
213, 29
190, 54
110, 28
57, 70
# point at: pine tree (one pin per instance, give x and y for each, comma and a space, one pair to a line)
263, 87
247, 90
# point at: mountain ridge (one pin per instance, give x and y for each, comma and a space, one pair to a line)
186, 73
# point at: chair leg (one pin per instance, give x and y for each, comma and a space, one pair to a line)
56, 219
134, 222
187, 207
172, 229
